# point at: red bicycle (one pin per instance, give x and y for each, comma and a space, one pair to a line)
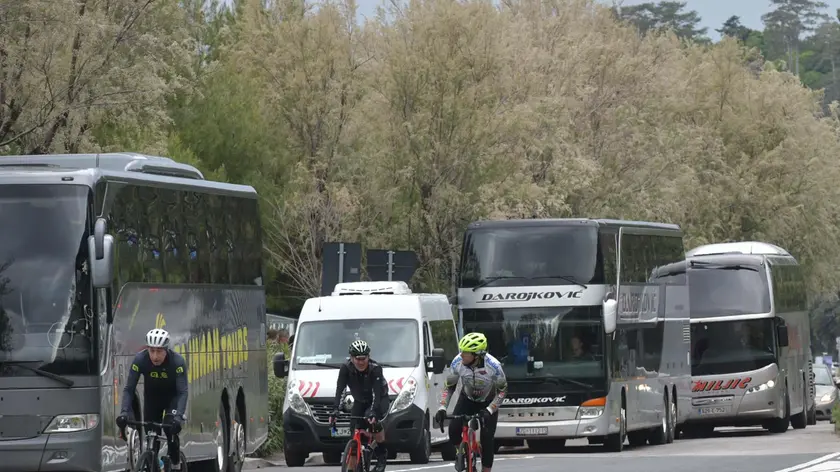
468, 457
360, 447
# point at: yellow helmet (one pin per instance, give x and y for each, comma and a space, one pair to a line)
474, 343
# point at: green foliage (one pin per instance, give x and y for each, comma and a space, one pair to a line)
276, 395
835, 415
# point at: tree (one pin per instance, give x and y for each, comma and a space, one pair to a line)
733, 28
665, 15
789, 21
75, 74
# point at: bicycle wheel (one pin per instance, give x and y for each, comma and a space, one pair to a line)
347, 457
145, 463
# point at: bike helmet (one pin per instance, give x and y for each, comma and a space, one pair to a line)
157, 338
474, 343
359, 348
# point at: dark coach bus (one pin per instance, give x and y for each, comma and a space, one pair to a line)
96, 250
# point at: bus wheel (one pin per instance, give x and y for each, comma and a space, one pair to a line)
221, 436
237, 458
800, 420
615, 442
672, 419
659, 434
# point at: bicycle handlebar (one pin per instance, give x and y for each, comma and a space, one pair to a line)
152, 424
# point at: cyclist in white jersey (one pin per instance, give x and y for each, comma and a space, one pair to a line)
483, 388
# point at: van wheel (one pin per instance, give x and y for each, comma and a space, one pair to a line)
448, 452
423, 450
294, 458
332, 457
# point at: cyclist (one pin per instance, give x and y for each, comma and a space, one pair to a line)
164, 390
369, 389
484, 387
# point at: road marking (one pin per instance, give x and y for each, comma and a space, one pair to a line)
452, 464
806, 465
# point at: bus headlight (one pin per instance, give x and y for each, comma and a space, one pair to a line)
589, 412
72, 423
296, 402
591, 408
406, 396
827, 398
760, 388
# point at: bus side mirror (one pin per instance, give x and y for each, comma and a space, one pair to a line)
610, 312
281, 365
101, 255
782, 333
438, 362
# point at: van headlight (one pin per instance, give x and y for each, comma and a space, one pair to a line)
760, 388
297, 404
406, 396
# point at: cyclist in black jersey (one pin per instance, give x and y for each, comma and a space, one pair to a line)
369, 389
164, 389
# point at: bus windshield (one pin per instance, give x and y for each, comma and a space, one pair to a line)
393, 342
43, 280
565, 343
717, 290
728, 347
531, 255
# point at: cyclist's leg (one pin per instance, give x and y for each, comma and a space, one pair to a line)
357, 411
456, 424
378, 430
173, 441
488, 447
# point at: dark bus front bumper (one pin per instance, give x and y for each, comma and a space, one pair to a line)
403, 432
58, 452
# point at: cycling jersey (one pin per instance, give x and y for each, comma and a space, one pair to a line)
165, 385
482, 382
368, 388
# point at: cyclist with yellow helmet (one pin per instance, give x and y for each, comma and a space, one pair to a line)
483, 388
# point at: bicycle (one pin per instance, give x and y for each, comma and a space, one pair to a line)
149, 460
361, 450
469, 451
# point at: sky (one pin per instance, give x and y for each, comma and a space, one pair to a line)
713, 12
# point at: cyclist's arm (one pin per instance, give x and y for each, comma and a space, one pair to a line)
340, 386
500, 382
380, 389
451, 382
131, 384
181, 385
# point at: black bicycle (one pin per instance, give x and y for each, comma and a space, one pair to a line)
150, 460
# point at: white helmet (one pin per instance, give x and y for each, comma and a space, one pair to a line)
157, 338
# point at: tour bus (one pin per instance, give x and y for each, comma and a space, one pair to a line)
411, 336
592, 346
97, 250
750, 335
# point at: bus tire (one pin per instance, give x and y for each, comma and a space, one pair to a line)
800, 420
672, 419
237, 455
659, 434
615, 442
780, 425
222, 438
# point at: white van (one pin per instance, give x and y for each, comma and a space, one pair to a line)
412, 335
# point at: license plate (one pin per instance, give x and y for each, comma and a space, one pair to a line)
532, 431
713, 410
340, 432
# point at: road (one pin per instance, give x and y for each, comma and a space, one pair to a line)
815, 449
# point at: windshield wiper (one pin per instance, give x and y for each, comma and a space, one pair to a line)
489, 280
321, 364
38, 371
567, 278
554, 380
712, 265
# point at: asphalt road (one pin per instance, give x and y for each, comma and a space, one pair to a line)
815, 449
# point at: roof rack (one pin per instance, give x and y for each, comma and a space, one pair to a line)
371, 288
118, 161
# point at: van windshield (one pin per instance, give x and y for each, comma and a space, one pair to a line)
392, 342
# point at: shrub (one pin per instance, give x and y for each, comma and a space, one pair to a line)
276, 395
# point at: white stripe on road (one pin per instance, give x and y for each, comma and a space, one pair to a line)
452, 464
816, 461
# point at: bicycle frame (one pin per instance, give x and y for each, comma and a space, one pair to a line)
358, 434
151, 439
468, 437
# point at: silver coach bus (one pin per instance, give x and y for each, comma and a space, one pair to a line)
751, 340
97, 249
581, 362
